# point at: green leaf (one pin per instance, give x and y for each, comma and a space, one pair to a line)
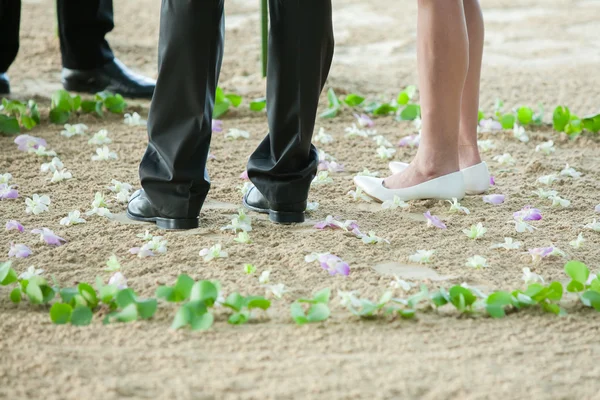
28, 122
410, 112
258, 104
592, 123
235, 99
202, 322
574, 127
7, 274
318, 312
238, 318
61, 101
60, 313
146, 308
89, 106
125, 298
68, 295
353, 100
9, 125
182, 318
384, 109
107, 293
560, 118
507, 121
48, 294
81, 316
258, 302
76, 102
407, 314
406, 95
439, 299
496, 302
98, 109
555, 291
591, 299
577, 271
330, 113
461, 297
575, 287
525, 115
235, 301
221, 108
127, 314
88, 293
480, 116
204, 291
322, 296
59, 117
183, 288
34, 293
333, 99
298, 314
15, 295
115, 104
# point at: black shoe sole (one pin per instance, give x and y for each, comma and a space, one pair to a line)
278, 217
168, 223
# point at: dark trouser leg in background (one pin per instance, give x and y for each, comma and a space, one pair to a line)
300, 54
83, 24
173, 170
89, 64
10, 20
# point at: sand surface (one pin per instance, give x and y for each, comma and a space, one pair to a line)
539, 52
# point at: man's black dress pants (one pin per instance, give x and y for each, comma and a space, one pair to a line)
82, 27
173, 169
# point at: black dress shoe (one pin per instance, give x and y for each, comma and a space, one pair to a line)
4, 84
278, 213
141, 209
113, 76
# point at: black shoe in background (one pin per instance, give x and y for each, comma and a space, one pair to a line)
4, 84
113, 76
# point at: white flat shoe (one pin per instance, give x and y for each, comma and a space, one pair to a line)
477, 177
443, 188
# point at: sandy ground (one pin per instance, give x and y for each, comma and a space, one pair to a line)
540, 52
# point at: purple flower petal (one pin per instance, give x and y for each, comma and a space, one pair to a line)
244, 176
490, 124
19, 251
492, 180
49, 237
334, 265
217, 125
26, 142
494, 199
12, 224
409, 141
432, 220
7, 192
528, 213
540, 252
364, 120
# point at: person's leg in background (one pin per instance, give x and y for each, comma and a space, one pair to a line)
89, 64
10, 20
173, 171
285, 163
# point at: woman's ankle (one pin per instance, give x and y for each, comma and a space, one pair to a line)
468, 155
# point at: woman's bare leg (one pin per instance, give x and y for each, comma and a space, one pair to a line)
443, 61
468, 153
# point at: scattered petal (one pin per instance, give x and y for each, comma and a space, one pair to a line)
528, 213
7, 192
244, 175
382, 141
358, 194
545, 194
142, 252
560, 202
12, 224
422, 256
546, 147
455, 207
263, 279
134, 119
42, 152
249, 269
548, 179
577, 243
509, 244
213, 253
49, 237
30, 273
100, 138
322, 178
245, 188
37, 204
72, 130
540, 252
118, 280
19, 251
489, 125
354, 131
398, 283
330, 166
505, 159
217, 125
4, 178
571, 172
60, 176
494, 199
243, 237
371, 238
364, 120
366, 172
330, 263
104, 154
433, 221
385, 153
410, 141
531, 277
492, 180
394, 203
312, 206
519, 133
27, 142
237, 134
485, 145
595, 226
323, 137
53, 166
477, 262
476, 231
113, 264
